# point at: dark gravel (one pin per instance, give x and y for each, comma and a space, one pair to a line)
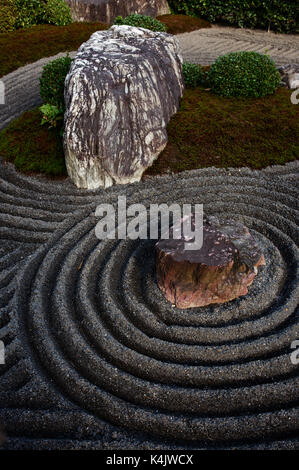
95, 356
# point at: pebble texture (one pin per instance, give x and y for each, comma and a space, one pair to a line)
107, 10
96, 358
122, 89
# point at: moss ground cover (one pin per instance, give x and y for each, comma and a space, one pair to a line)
178, 24
208, 130
25, 46
31, 147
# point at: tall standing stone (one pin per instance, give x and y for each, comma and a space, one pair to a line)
122, 89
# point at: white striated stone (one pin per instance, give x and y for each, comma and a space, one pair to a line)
122, 89
294, 81
289, 75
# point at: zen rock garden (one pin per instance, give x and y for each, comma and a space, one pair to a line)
113, 111
121, 91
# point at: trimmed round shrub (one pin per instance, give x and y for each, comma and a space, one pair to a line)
52, 81
193, 75
141, 21
7, 15
247, 74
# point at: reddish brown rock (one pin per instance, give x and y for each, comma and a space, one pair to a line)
219, 272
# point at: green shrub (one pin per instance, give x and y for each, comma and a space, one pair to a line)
247, 74
279, 15
28, 13
185, 7
52, 115
7, 15
52, 81
141, 21
33, 12
193, 75
56, 12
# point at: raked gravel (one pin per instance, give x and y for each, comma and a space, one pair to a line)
95, 357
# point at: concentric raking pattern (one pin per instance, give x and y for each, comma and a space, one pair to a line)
91, 339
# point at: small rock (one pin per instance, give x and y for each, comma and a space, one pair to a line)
213, 274
294, 81
289, 76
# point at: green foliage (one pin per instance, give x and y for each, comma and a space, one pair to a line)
52, 115
119, 20
247, 74
28, 13
141, 21
56, 12
193, 75
7, 15
279, 15
33, 12
52, 81
185, 7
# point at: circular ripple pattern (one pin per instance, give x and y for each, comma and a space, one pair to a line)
98, 327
